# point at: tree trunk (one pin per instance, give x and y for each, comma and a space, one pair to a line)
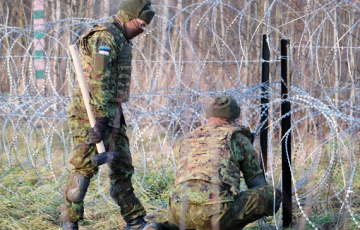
188, 66
106, 8
337, 56
352, 69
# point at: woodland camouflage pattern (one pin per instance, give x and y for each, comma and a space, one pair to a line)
108, 87
129, 9
201, 201
124, 17
121, 169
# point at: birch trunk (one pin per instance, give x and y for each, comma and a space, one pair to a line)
352, 68
336, 62
188, 68
106, 8
52, 4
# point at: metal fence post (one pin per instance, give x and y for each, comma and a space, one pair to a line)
264, 101
286, 133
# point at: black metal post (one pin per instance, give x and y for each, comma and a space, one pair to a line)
264, 101
285, 133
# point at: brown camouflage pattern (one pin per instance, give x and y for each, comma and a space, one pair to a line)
248, 206
201, 204
205, 154
103, 105
107, 88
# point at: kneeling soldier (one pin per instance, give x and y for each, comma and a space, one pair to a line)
207, 183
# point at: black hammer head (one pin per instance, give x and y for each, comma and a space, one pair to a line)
103, 158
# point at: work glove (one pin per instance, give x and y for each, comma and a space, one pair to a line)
97, 133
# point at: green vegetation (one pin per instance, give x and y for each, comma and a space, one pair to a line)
32, 196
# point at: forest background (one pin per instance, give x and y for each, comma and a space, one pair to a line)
192, 51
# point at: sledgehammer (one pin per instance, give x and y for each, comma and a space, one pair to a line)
104, 157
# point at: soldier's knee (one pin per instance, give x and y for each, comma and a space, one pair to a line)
77, 190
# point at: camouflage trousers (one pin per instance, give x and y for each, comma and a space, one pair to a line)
247, 207
121, 170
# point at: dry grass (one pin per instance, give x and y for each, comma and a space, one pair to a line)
36, 204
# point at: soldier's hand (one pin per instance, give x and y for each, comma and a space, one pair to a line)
97, 133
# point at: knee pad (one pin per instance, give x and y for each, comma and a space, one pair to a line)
77, 190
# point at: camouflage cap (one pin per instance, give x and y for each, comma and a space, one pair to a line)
224, 107
129, 9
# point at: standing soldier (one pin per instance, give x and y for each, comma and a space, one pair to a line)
106, 61
207, 183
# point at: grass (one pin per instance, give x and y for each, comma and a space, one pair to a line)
32, 197
38, 207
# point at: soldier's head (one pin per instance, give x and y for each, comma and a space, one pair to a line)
135, 15
224, 107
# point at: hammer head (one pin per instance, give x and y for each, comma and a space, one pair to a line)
103, 158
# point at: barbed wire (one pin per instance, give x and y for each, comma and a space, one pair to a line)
184, 59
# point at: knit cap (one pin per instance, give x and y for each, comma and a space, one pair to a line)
223, 107
129, 9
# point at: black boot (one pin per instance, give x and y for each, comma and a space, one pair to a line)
152, 226
70, 226
135, 224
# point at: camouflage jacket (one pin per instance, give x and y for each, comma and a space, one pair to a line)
107, 77
210, 161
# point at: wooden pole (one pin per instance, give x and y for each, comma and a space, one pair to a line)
84, 91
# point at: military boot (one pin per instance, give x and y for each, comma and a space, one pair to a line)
70, 226
135, 224
151, 226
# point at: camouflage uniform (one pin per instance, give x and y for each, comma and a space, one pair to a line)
108, 80
207, 182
